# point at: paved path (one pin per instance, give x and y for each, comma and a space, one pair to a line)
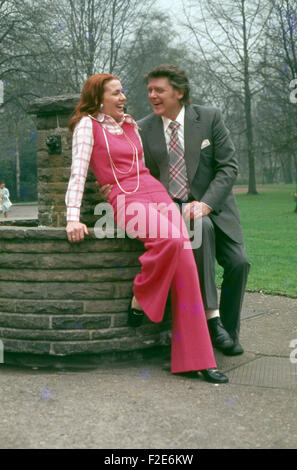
140, 405
21, 212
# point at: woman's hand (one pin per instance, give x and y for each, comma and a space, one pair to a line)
76, 231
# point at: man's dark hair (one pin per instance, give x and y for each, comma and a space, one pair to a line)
176, 77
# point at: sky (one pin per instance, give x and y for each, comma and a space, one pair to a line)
174, 7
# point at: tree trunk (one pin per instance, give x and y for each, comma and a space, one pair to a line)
295, 163
18, 167
286, 163
252, 189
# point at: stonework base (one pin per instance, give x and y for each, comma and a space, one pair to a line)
61, 299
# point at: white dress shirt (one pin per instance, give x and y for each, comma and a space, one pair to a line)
180, 131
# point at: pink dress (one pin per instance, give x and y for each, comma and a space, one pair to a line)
166, 264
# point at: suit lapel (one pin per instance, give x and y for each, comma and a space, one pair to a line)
193, 140
158, 148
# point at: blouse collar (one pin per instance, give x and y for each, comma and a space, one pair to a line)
113, 126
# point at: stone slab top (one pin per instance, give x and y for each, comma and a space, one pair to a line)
40, 232
53, 104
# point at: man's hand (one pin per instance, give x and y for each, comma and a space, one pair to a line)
105, 191
76, 231
195, 210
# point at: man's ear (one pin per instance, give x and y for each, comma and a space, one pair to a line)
180, 94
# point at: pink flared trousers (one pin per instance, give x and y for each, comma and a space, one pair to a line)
168, 264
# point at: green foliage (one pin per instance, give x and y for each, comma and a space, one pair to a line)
270, 232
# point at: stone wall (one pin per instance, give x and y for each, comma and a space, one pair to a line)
52, 117
59, 298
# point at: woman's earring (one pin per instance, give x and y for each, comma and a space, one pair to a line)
101, 105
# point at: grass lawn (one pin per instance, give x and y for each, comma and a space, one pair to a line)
270, 232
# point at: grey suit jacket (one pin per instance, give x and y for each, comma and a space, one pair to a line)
211, 170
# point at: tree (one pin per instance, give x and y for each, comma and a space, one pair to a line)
153, 45
229, 37
279, 70
92, 35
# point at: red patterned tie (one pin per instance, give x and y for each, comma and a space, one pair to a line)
178, 181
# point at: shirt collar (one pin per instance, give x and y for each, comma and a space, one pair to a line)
101, 117
180, 119
111, 124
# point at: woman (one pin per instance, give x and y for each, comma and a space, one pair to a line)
107, 139
6, 204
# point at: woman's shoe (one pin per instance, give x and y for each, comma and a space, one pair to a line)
135, 316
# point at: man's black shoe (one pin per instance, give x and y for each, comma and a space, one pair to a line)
214, 376
220, 338
235, 350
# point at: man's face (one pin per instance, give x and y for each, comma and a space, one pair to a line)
164, 99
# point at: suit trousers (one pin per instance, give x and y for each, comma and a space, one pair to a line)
216, 245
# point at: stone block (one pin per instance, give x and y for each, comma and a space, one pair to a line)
52, 188
89, 245
69, 261
62, 275
66, 290
23, 290
44, 335
100, 346
90, 322
53, 175
7, 305
110, 333
32, 322
24, 346
44, 160
106, 306
49, 307
47, 122
52, 105
120, 320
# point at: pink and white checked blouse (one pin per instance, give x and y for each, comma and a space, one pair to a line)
82, 147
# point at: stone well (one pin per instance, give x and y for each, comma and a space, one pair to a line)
58, 298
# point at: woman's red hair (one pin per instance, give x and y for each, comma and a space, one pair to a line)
90, 98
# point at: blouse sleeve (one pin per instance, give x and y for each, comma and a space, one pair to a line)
82, 147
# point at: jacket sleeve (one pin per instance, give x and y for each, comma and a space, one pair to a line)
225, 165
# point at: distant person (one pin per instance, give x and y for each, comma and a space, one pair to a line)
205, 176
6, 204
107, 139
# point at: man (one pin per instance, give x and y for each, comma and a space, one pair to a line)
195, 160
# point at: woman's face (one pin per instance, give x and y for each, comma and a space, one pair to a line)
113, 100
